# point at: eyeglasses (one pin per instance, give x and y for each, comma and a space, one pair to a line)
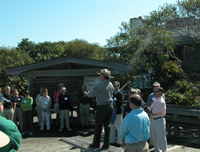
156, 91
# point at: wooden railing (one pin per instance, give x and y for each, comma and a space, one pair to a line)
180, 116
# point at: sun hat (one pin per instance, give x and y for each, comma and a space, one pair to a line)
156, 84
63, 88
105, 72
4, 139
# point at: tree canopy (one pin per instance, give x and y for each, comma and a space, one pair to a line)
13, 57
152, 46
52, 50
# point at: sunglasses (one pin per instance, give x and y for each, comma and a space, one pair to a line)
156, 91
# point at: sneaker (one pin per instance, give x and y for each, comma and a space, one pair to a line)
60, 130
23, 133
31, 133
69, 129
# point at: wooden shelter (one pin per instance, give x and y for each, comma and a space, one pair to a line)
70, 71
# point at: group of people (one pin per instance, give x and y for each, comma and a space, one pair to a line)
135, 128
129, 128
17, 107
61, 101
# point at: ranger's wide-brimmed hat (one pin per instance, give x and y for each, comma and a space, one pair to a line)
105, 72
4, 139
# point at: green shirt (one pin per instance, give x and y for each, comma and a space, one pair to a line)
26, 103
11, 130
104, 92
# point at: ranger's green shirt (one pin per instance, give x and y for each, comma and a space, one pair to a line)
104, 92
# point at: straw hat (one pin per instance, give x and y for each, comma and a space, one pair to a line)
4, 139
106, 73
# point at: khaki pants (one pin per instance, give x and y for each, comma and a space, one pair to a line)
8, 114
64, 114
84, 114
159, 135
138, 147
150, 130
18, 114
45, 117
114, 127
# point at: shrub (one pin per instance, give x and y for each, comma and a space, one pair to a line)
184, 93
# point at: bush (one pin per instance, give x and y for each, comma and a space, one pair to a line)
184, 93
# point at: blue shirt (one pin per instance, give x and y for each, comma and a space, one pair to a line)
152, 97
135, 127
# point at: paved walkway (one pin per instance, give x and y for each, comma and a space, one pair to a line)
188, 141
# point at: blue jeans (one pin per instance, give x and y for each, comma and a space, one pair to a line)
30, 117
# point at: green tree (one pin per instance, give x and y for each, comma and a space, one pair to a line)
12, 57
52, 50
182, 19
144, 46
83, 49
26, 45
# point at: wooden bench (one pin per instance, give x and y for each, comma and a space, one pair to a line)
83, 144
181, 116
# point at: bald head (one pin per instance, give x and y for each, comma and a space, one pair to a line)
7, 90
136, 100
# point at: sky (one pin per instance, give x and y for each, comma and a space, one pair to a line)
67, 20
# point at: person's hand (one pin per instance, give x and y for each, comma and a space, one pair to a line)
148, 104
85, 92
123, 145
126, 113
151, 112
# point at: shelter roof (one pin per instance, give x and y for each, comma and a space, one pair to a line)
68, 63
